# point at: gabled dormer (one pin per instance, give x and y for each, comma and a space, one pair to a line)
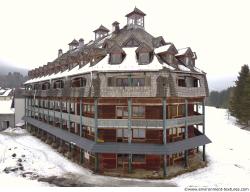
167, 53
135, 19
186, 56
144, 54
101, 32
132, 41
73, 44
116, 54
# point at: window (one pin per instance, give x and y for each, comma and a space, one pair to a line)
122, 82
90, 131
181, 110
196, 82
187, 60
122, 112
138, 82
115, 58
182, 82
88, 108
36, 86
78, 82
58, 84
45, 86
138, 111
170, 58
138, 158
144, 58
122, 133
139, 133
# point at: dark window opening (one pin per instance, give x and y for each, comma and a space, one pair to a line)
45, 86
78, 82
196, 82
181, 82
59, 84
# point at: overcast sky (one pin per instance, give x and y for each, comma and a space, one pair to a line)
32, 31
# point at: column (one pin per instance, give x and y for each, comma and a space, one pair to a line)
69, 108
129, 133
164, 106
96, 131
203, 130
186, 131
54, 113
61, 114
80, 116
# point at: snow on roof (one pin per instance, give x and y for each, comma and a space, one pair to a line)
183, 68
162, 48
129, 64
5, 92
198, 70
5, 107
182, 51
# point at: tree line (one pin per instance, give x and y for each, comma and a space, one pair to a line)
12, 80
236, 99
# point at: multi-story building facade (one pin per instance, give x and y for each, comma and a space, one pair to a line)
124, 101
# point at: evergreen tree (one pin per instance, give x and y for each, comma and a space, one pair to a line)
245, 100
236, 102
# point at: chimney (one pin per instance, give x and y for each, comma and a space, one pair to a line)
81, 42
60, 52
115, 27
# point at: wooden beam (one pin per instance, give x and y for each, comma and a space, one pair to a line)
129, 133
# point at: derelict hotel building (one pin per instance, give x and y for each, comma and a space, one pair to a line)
125, 101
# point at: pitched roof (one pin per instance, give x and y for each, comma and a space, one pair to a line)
101, 28
74, 42
136, 11
184, 51
115, 23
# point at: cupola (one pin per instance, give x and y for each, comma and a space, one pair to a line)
101, 32
115, 27
135, 19
73, 44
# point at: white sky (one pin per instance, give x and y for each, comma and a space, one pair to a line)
218, 31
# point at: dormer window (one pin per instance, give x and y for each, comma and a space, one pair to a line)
116, 55
144, 54
135, 18
115, 58
143, 58
187, 60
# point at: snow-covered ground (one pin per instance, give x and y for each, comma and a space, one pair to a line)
228, 160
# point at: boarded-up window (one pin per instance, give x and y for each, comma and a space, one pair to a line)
144, 58
115, 58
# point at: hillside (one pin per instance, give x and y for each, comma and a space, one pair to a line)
6, 68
